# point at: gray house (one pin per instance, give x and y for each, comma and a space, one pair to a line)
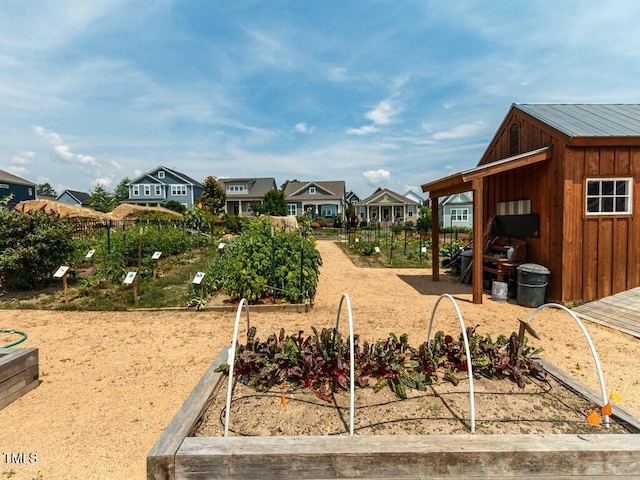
154, 188
320, 199
19, 188
75, 198
457, 210
387, 207
242, 192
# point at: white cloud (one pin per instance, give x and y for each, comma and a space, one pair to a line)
364, 130
23, 158
383, 113
302, 127
376, 177
104, 181
460, 131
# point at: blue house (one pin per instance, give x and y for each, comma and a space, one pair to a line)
457, 210
154, 188
19, 188
74, 198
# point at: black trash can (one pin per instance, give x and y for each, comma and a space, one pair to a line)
532, 284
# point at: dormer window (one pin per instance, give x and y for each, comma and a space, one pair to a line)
161, 174
235, 189
312, 190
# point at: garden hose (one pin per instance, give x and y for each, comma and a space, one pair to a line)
23, 337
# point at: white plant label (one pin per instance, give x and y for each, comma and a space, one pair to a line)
90, 254
60, 272
156, 255
198, 278
128, 280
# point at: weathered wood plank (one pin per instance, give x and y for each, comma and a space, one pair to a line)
14, 387
412, 456
15, 360
160, 460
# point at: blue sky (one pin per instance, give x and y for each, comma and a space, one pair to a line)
377, 93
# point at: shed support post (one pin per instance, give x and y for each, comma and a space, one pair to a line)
435, 240
478, 234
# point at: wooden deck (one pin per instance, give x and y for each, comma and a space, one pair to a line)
620, 311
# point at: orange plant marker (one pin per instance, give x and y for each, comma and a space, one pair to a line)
606, 410
594, 419
283, 401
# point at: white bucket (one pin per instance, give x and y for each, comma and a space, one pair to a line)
499, 291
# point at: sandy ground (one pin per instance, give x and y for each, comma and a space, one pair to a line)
112, 381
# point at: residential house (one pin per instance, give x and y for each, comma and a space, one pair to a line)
387, 207
242, 192
565, 179
414, 196
18, 188
352, 198
320, 199
456, 210
154, 188
75, 198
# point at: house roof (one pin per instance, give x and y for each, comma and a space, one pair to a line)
381, 195
588, 120
332, 190
258, 187
82, 198
175, 173
11, 178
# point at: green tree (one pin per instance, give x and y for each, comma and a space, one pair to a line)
121, 192
424, 222
175, 206
273, 204
213, 198
46, 189
102, 200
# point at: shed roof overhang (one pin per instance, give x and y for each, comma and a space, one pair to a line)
472, 180
462, 182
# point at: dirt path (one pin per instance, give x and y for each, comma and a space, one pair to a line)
112, 381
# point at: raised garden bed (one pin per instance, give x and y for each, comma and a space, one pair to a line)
179, 454
18, 373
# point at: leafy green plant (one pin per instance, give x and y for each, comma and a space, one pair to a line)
320, 361
32, 246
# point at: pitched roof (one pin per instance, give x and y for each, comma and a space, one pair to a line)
588, 120
330, 189
175, 173
258, 187
11, 178
82, 198
381, 195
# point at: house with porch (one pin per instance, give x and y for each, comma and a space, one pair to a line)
242, 192
563, 181
18, 188
320, 199
154, 188
387, 207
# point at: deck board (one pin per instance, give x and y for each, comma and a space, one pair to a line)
620, 311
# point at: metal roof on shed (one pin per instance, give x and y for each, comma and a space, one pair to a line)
588, 120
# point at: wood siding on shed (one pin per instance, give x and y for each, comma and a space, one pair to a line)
600, 254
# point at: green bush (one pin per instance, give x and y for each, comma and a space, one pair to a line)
32, 247
257, 265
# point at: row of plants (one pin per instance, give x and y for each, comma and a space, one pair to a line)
321, 361
261, 262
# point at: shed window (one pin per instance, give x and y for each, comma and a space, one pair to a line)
607, 196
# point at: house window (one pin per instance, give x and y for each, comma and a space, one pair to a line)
514, 139
362, 212
292, 209
459, 214
178, 190
135, 190
160, 174
147, 190
327, 211
312, 190
410, 210
397, 212
608, 195
158, 190
30, 191
235, 189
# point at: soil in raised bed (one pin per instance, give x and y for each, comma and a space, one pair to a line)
542, 407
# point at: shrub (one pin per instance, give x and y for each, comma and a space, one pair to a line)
32, 245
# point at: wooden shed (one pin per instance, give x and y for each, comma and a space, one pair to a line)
564, 179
